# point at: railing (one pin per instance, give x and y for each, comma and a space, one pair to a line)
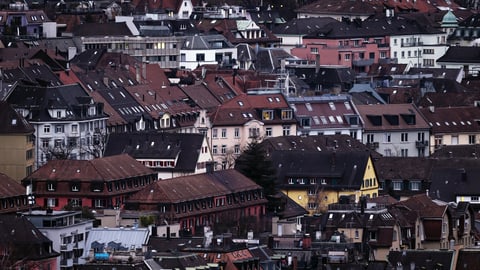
421, 144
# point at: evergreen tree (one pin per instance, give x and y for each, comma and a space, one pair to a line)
254, 163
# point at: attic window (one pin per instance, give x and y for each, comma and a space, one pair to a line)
14, 122
240, 103
332, 106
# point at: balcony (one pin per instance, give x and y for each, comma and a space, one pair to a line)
421, 144
362, 62
412, 44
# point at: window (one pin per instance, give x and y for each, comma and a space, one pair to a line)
397, 185
286, 130
471, 139
51, 186
388, 137
438, 140
404, 152
51, 202
268, 132
59, 143
46, 129
404, 137
200, 57
369, 138
215, 149
214, 133
236, 149
347, 57
59, 114
224, 132
383, 55
59, 129
267, 115
45, 143
29, 154
253, 132
237, 133
474, 198
305, 122
415, 185
381, 185
75, 187
224, 149
373, 236
314, 50
312, 206
287, 114
74, 128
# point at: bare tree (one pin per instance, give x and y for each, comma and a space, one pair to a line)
96, 145
228, 158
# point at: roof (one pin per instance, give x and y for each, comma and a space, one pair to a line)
301, 26
452, 119
391, 117
11, 122
109, 239
10, 188
194, 187
403, 168
108, 168
206, 42
422, 259
184, 148
424, 206
102, 29
347, 167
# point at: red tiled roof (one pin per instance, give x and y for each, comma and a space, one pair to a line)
9, 187
453, 120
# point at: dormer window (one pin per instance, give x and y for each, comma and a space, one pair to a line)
59, 114
51, 186
267, 115
75, 187
287, 114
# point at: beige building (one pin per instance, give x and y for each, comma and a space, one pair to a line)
245, 118
17, 153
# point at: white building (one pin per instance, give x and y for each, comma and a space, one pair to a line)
206, 50
68, 232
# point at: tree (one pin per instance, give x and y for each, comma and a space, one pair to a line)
254, 163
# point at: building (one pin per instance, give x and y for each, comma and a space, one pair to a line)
67, 122
220, 199
205, 49
17, 151
24, 246
13, 196
97, 184
315, 178
68, 232
395, 129
248, 117
452, 126
326, 115
169, 154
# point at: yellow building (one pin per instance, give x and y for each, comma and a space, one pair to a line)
17, 153
315, 179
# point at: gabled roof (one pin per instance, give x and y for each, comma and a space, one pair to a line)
457, 151
342, 7
201, 96
452, 99
424, 206
347, 167
460, 55
403, 168
11, 122
423, 259
247, 107
269, 59
194, 187
33, 75
453, 119
206, 42
386, 69
391, 117
184, 148
124, 104
10, 188
39, 99
108, 168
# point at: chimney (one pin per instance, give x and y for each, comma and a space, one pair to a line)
144, 71
307, 241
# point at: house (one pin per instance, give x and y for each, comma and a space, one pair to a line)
314, 179
426, 259
17, 151
337, 10
403, 177
176, 9
26, 22
464, 57
67, 122
98, 183
245, 118
452, 126
326, 115
395, 129
67, 230
168, 154
13, 196
201, 50
24, 245
220, 199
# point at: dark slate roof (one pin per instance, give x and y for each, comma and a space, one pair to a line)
423, 259
38, 99
302, 26
180, 261
391, 117
347, 167
447, 73
468, 258
158, 145
27, 241
403, 168
454, 177
201, 96
164, 244
457, 151
269, 59
205, 42
460, 55
386, 69
12, 122
335, 76
102, 29
88, 59
34, 75
338, 143
292, 209
342, 7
